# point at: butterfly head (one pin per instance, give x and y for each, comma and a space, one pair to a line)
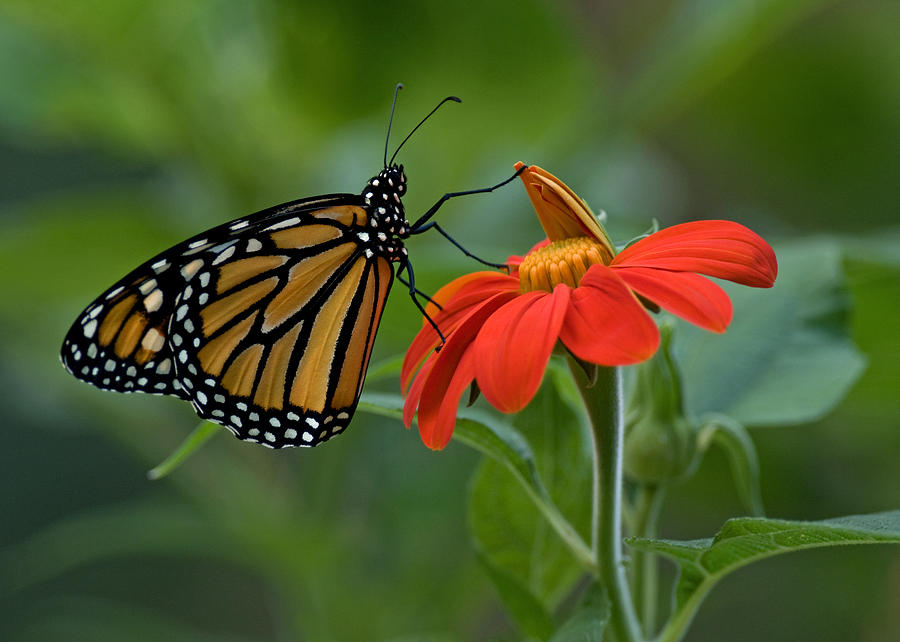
387, 218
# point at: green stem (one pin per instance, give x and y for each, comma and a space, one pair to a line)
644, 569
604, 403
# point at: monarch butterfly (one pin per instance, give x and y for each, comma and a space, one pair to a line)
265, 324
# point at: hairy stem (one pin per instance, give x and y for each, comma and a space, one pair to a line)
604, 403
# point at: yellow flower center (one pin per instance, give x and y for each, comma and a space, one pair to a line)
563, 261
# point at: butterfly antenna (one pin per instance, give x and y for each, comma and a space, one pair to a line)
421, 122
390, 121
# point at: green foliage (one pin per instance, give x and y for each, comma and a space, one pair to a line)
509, 530
736, 443
787, 357
192, 443
741, 541
588, 622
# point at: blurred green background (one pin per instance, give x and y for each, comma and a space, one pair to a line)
128, 126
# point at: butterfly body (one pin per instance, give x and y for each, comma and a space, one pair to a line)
265, 324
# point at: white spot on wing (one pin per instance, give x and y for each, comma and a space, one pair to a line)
253, 245
90, 328
153, 301
191, 268
153, 340
285, 223
224, 256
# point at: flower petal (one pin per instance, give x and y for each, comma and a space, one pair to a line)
562, 213
514, 345
443, 296
605, 324
690, 296
448, 377
723, 249
414, 394
458, 297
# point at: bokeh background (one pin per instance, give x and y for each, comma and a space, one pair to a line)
127, 126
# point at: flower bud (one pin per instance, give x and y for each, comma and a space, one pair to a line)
660, 442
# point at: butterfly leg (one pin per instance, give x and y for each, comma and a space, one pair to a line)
442, 232
415, 228
417, 291
413, 292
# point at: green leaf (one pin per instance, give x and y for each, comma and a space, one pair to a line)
504, 523
741, 541
738, 446
526, 609
199, 436
531, 551
502, 443
787, 357
588, 622
515, 544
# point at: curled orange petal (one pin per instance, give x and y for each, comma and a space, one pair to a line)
562, 214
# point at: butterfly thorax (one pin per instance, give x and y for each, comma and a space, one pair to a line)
387, 219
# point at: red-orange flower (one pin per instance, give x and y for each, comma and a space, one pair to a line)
572, 288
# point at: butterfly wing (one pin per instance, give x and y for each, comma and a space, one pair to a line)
121, 340
272, 333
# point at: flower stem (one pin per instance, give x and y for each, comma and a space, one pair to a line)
644, 569
604, 403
